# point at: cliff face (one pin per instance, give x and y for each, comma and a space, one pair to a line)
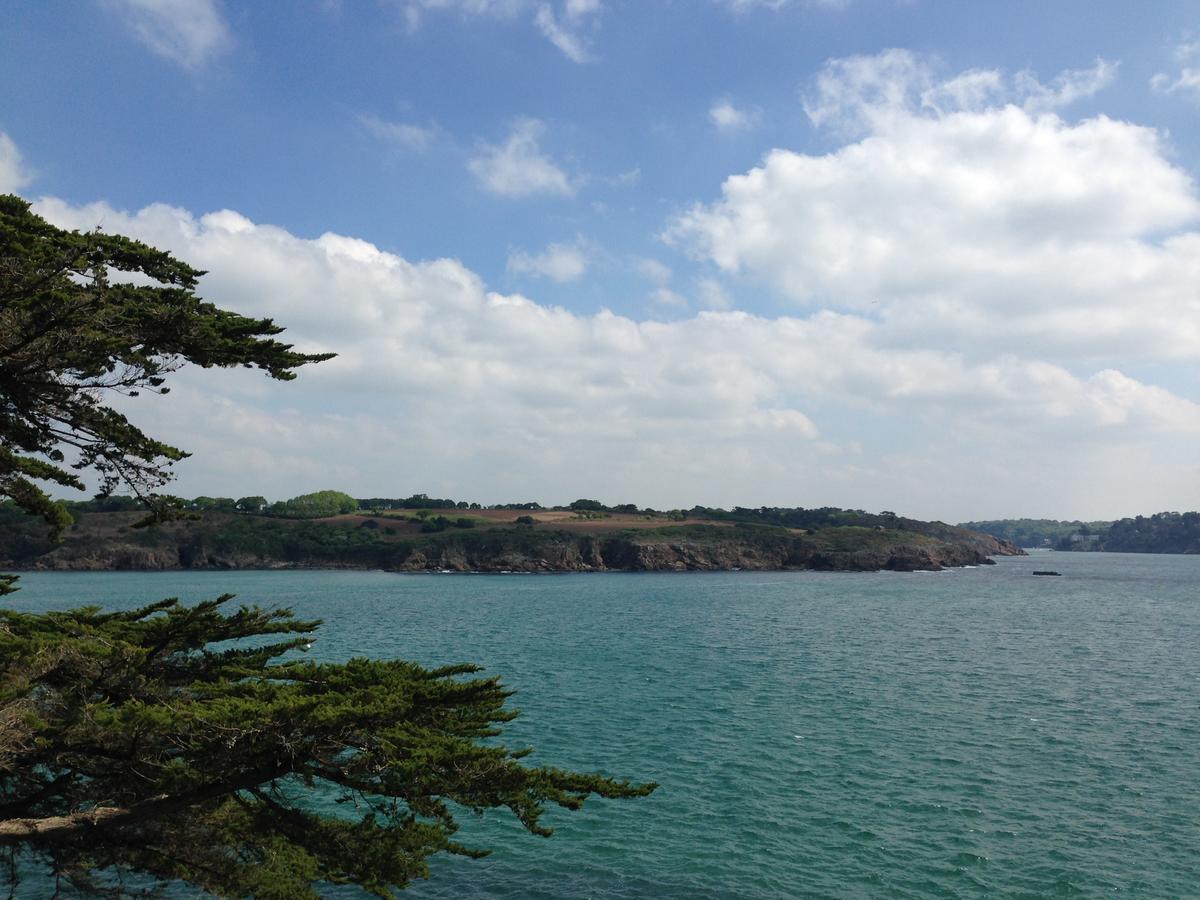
632, 555
133, 557
105, 541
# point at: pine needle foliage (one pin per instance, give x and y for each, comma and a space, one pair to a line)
193, 743
73, 333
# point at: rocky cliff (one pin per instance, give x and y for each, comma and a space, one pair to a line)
627, 554
105, 541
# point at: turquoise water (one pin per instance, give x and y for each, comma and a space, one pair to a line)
972, 732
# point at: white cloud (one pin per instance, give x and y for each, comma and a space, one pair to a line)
964, 220
664, 296
415, 10
566, 26
660, 274
1186, 79
854, 92
558, 262
861, 94
627, 178
518, 167
565, 29
418, 138
655, 271
187, 32
725, 116
1067, 88
712, 294
495, 8
13, 174
741, 6
492, 396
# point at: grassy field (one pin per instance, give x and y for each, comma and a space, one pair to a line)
543, 519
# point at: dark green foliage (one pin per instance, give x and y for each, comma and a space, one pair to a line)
128, 741
416, 501
187, 743
69, 335
303, 542
318, 505
587, 506
19, 539
224, 540
1037, 532
102, 503
827, 517
1165, 532
442, 523
211, 504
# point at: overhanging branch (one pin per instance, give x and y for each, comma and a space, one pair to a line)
57, 828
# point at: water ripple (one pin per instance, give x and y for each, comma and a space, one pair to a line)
815, 735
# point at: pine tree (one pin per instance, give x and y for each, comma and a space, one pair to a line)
128, 743
192, 743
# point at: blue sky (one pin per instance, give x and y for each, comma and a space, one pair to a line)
927, 256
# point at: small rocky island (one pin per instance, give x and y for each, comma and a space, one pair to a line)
421, 535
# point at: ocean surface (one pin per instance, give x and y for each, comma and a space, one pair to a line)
966, 733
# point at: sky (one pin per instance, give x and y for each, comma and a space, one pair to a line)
941, 258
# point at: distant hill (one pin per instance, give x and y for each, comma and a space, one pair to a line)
1047, 533
1165, 532
455, 536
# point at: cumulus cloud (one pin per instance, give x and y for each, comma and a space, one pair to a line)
558, 262
13, 174
1186, 78
189, 33
966, 214
518, 167
418, 138
494, 396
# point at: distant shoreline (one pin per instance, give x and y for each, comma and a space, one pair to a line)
500, 544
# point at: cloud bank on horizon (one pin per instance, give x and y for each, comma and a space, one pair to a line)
981, 305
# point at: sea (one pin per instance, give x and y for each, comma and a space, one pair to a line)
972, 732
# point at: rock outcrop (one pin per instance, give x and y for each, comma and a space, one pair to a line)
631, 555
